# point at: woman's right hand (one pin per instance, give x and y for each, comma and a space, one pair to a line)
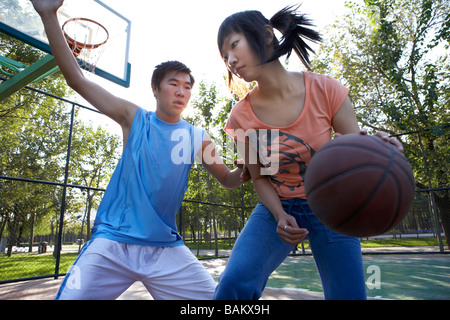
289, 231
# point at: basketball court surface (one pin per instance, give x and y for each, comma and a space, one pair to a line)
402, 277
46, 289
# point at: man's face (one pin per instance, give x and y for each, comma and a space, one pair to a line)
173, 96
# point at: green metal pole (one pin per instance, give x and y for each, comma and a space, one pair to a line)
26, 76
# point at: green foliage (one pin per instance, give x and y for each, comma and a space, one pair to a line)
394, 57
398, 75
210, 112
34, 135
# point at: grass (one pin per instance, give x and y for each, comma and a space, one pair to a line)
25, 265
222, 244
404, 242
399, 242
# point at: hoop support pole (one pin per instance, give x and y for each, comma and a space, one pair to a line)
26, 76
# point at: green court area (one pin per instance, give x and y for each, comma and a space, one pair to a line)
401, 277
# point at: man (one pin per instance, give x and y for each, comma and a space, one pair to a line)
134, 235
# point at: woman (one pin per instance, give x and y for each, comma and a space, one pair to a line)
287, 116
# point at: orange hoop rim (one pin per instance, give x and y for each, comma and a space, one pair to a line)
78, 46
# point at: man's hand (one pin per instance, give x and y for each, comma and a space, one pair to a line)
46, 6
245, 175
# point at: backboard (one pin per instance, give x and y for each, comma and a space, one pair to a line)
19, 20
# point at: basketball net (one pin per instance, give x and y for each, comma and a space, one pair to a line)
86, 39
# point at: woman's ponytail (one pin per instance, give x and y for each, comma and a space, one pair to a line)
294, 28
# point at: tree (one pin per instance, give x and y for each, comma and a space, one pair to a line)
94, 157
394, 57
33, 150
210, 112
34, 135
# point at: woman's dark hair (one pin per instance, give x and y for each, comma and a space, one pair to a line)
164, 68
292, 25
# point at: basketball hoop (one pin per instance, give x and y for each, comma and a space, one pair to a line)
84, 36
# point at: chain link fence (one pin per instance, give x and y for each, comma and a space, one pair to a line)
48, 200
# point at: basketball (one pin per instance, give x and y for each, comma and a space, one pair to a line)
359, 185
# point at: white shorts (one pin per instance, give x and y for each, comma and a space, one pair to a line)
105, 269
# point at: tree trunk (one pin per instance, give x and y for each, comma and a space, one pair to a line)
443, 205
33, 220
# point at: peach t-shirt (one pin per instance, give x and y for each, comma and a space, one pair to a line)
289, 149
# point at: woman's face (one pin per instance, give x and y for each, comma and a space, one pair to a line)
240, 58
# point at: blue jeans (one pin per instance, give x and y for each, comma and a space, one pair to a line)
259, 250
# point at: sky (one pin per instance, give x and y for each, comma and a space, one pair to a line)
187, 31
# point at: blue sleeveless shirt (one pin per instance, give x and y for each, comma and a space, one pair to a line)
148, 185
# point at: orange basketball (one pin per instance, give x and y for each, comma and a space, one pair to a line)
359, 185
